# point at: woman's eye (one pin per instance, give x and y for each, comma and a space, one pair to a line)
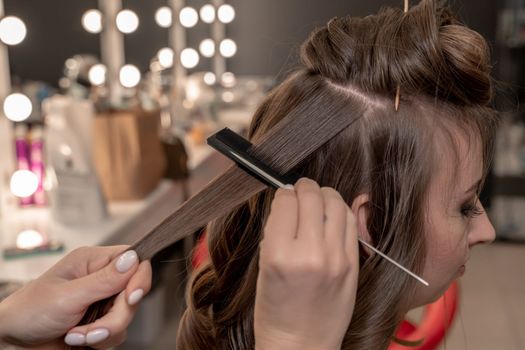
471, 210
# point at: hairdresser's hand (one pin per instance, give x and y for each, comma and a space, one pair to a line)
46, 309
308, 269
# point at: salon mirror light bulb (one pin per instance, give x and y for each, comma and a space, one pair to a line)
17, 107
28, 239
127, 21
227, 96
72, 64
165, 57
24, 183
12, 30
228, 79
207, 13
129, 76
207, 48
163, 17
226, 13
65, 150
92, 21
97, 74
228, 48
188, 17
193, 91
189, 58
209, 78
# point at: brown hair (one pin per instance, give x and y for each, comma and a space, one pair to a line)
443, 71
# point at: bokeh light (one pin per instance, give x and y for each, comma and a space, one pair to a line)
127, 21
228, 79
163, 17
228, 48
28, 239
17, 107
165, 56
207, 13
188, 17
209, 78
207, 48
97, 74
189, 58
129, 76
92, 21
226, 13
12, 30
24, 183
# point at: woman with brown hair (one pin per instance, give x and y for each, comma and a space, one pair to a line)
417, 91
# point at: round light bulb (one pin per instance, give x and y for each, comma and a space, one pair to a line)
163, 17
207, 48
97, 74
12, 30
227, 96
209, 78
71, 64
24, 183
129, 76
65, 150
189, 58
165, 56
193, 90
228, 79
92, 21
188, 17
17, 107
207, 13
127, 21
28, 239
226, 13
228, 48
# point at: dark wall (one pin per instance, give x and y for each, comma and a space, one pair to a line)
268, 32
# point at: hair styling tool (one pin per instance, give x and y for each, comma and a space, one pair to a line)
236, 148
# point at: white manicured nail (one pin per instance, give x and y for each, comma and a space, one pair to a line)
97, 336
75, 339
135, 296
126, 261
288, 187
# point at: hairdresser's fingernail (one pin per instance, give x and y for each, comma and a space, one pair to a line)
97, 336
126, 261
75, 339
135, 296
288, 187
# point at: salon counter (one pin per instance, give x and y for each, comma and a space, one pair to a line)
127, 221
114, 230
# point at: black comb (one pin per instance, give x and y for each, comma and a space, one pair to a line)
237, 148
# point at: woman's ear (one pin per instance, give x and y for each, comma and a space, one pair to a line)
361, 210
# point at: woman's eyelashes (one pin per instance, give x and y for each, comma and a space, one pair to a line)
471, 209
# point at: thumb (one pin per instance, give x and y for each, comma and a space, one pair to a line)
105, 282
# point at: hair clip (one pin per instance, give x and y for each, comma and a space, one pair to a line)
237, 149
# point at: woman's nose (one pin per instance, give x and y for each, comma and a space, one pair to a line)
482, 231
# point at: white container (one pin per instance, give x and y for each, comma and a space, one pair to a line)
76, 197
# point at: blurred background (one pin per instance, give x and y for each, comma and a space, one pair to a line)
106, 106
